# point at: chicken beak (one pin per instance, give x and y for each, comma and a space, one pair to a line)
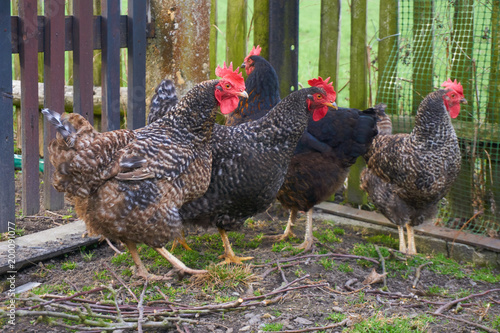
333, 105
242, 65
243, 94
463, 101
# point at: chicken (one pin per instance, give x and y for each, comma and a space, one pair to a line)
164, 99
322, 160
408, 174
262, 87
250, 162
129, 185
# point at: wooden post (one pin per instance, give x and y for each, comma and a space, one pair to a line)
236, 29
97, 63
180, 50
54, 91
7, 194
83, 47
358, 90
387, 72
69, 54
284, 42
261, 26
329, 44
28, 53
493, 108
136, 109
423, 16
462, 36
110, 65
213, 38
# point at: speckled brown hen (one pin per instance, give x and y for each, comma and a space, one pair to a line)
129, 185
408, 174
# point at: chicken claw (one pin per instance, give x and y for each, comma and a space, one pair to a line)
141, 270
180, 240
229, 256
288, 230
308, 238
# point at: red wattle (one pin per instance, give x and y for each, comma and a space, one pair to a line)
320, 113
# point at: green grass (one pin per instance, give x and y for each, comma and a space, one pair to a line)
336, 317
272, 327
379, 323
68, 265
327, 236
385, 240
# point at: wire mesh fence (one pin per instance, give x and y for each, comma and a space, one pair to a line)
457, 39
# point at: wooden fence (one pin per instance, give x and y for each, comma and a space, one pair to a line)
53, 34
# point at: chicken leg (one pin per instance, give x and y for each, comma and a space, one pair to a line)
402, 243
178, 265
308, 237
141, 270
229, 256
180, 240
411, 240
288, 230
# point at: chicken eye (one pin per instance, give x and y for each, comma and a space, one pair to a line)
452, 95
319, 96
228, 86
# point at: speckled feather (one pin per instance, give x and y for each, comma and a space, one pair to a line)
263, 93
408, 174
149, 172
249, 165
164, 99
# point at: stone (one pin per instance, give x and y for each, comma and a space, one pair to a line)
303, 321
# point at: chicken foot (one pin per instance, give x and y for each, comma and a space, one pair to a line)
308, 237
180, 240
140, 269
288, 230
229, 256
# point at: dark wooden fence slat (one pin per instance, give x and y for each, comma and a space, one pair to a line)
29, 106
136, 108
68, 31
284, 42
7, 194
53, 73
82, 59
110, 70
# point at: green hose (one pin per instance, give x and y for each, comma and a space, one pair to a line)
18, 162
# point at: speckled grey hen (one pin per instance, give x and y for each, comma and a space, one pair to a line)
249, 164
407, 174
129, 185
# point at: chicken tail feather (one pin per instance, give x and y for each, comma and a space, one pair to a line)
63, 127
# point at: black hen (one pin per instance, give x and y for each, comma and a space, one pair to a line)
322, 159
262, 87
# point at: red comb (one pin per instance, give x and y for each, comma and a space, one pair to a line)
328, 87
449, 84
255, 51
228, 74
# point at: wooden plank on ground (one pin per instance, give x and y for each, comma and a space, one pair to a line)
427, 229
29, 106
54, 92
82, 58
7, 194
284, 43
46, 244
110, 70
136, 83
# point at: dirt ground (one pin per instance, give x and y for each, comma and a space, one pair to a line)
400, 308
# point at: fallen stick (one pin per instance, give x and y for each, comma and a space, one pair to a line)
448, 305
485, 328
417, 273
64, 298
140, 308
120, 280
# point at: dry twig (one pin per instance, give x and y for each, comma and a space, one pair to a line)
448, 305
485, 328
418, 272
